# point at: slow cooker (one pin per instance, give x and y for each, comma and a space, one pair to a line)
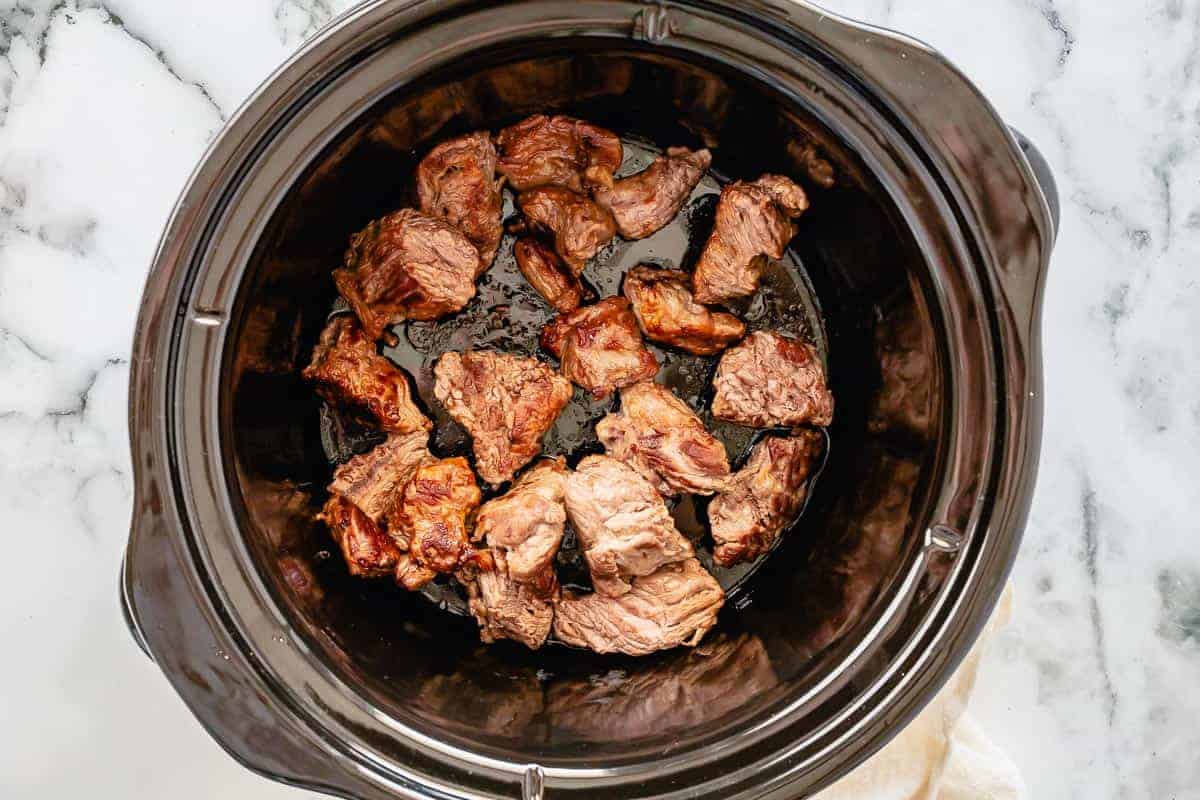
926, 248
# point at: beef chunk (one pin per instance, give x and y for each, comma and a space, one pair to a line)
374, 480
754, 222
507, 403
763, 497
600, 347
457, 182
407, 266
642, 204
559, 151
667, 313
349, 373
431, 521
580, 226
368, 551
546, 272
508, 609
524, 528
771, 380
658, 435
675, 605
622, 524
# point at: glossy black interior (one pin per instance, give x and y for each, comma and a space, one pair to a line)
813, 598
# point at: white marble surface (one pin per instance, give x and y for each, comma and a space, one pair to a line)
1095, 687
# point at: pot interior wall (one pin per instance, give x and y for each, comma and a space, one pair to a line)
817, 595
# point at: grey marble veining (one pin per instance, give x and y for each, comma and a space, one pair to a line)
1094, 688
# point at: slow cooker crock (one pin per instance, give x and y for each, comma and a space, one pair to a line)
926, 255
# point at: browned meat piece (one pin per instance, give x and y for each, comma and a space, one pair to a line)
763, 497
667, 313
658, 435
546, 272
622, 523
431, 521
349, 373
374, 480
368, 551
407, 266
506, 403
675, 605
642, 204
560, 151
600, 347
580, 226
754, 221
457, 182
507, 609
524, 528
770, 380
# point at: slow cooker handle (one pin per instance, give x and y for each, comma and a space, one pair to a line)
1045, 178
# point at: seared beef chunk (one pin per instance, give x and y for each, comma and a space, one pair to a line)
600, 347
754, 221
457, 182
524, 528
431, 521
507, 609
675, 605
546, 272
763, 497
374, 480
368, 551
349, 373
407, 266
622, 524
642, 204
559, 151
580, 226
507, 403
658, 435
667, 313
771, 380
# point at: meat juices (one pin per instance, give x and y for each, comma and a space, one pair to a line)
349, 373
675, 605
546, 273
374, 480
763, 497
658, 435
772, 381
643, 203
368, 551
457, 182
622, 523
580, 226
667, 313
407, 266
600, 347
524, 528
431, 521
560, 151
753, 222
507, 403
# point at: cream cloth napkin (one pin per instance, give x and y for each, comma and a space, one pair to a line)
943, 754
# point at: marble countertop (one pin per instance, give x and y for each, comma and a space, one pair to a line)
1093, 689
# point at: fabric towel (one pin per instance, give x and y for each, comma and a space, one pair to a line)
943, 754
